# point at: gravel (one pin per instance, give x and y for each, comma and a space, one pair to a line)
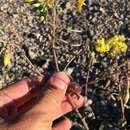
99, 18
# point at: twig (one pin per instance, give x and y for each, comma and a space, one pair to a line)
63, 41
71, 30
30, 63
76, 45
119, 87
88, 73
38, 72
54, 36
107, 84
122, 105
72, 59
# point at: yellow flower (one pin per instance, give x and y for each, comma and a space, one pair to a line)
115, 45
123, 47
101, 46
115, 50
121, 38
112, 41
118, 44
80, 4
118, 48
115, 40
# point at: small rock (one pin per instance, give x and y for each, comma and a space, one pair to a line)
1, 45
32, 52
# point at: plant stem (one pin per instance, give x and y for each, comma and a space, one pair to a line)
56, 62
54, 37
119, 88
88, 73
72, 59
30, 63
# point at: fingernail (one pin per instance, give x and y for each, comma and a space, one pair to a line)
60, 80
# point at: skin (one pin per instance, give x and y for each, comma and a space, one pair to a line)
52, 105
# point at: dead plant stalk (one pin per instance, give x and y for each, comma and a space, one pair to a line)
54, 36
119, 88
56, 60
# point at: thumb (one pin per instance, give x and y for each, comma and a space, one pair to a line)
53, 95
57, 85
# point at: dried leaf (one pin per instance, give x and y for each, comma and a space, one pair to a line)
125, 93
93, 56
69, 71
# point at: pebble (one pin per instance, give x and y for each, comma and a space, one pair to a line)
32, 52
99, 18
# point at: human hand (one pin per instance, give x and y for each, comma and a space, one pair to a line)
52, 105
